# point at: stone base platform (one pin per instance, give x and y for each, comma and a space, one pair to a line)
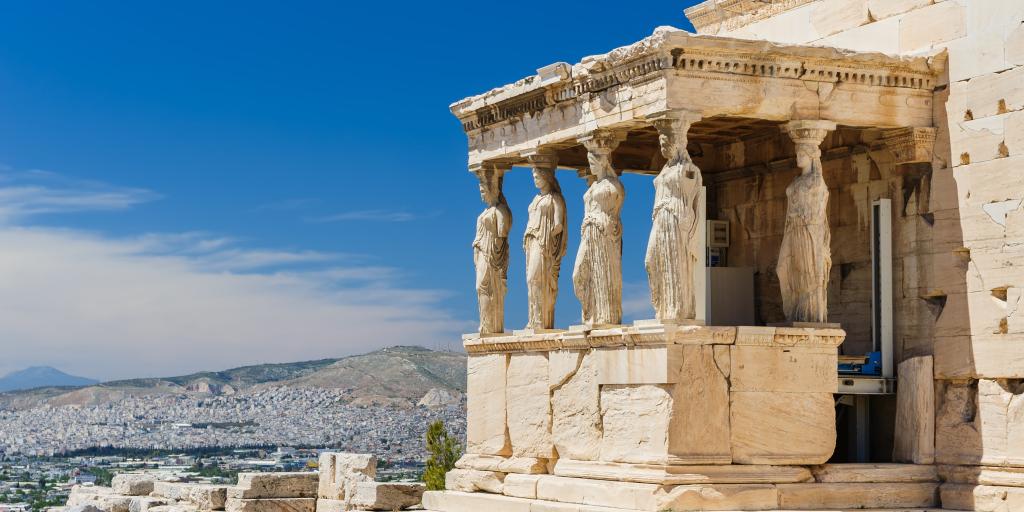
601, 487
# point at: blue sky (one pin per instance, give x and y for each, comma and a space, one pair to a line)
199, 185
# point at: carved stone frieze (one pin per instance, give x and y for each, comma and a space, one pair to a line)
910, 145
699, 57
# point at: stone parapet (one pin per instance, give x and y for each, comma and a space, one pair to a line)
686, 395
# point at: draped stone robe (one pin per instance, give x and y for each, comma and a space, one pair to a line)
805, 257
597, 276
490, 256
544, 243
672, 248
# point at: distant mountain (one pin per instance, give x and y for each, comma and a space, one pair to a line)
400, 376
40, 377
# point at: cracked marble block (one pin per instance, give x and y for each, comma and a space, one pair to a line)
575, 404
980, 422
529, 405
486, 430
665, 405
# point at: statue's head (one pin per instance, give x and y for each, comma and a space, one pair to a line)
667, 144
544, 180
806, 154
490, 185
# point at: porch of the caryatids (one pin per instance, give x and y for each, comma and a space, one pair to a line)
490, 249
673, 246
544, 241
597, 275
805, 258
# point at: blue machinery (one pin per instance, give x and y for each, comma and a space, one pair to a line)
861, 377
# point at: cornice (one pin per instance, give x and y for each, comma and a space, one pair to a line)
690, 55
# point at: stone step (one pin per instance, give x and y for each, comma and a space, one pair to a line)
448, 501
677, 475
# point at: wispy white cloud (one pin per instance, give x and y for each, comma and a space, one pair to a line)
167, 303
32, 193
366, 215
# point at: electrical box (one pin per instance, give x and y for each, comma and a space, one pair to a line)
718, 234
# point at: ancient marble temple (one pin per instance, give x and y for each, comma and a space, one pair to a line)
846, 158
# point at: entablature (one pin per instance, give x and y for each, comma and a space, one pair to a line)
712, 76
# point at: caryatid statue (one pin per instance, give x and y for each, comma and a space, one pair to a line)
597, 276
544, 242
490, 250
673, 245
805, 259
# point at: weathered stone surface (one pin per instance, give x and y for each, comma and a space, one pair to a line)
720, 497
81, 508
880, 36
448, 501
627, 495
471, 480
678, 475
100, 497
935, 24
524, 465
782, 428
486, 431
275, 485
983, 475
957, 423
700, 399
636, 423
871, 473
529, 405
982, 498
914, 440
639, 365
329, 505
881, 9
793, 370
385, 495
338, 469
133, 484
832, 16
272, 505
146, 503
979, 356
176, 507
208, 497
575, 405
857, 495
981, 422
520, 486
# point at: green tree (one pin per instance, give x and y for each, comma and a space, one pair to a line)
444, 451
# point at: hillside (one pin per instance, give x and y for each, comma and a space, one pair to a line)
396, 376
40, 377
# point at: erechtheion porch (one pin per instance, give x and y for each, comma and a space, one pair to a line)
685, 411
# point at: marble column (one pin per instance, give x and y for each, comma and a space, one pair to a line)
673, 246
490, 249
805, 258
597, 274
544, 241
